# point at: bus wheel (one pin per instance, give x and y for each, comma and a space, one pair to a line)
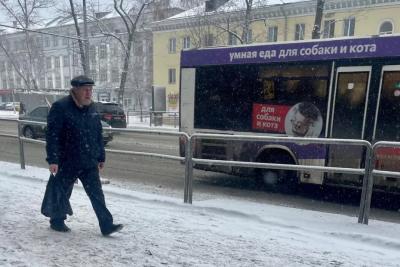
278, 180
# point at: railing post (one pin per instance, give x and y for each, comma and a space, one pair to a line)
151, 113
127, 117
368, 195
21, 147
364, 185
175, 119
188, 190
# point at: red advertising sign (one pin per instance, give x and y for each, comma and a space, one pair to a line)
388, 153
269, 118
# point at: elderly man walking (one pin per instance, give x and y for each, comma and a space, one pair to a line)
75, 149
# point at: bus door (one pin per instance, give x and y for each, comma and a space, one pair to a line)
387, 120
348, 117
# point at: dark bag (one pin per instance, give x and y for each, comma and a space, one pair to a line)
55, 202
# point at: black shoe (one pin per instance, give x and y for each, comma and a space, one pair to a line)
112, 229
60, 227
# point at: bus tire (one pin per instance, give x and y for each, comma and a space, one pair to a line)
285, 181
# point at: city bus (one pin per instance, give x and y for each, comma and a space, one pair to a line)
346, 88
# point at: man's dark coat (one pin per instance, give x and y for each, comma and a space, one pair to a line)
74, 142
74, 135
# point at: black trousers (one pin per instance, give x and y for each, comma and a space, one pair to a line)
91, 183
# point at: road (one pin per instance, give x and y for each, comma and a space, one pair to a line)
163, 176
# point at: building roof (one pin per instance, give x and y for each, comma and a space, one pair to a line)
230, 6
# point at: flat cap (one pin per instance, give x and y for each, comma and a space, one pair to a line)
81, 80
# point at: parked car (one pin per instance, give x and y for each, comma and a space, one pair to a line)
39, 114
111, 113
12, 106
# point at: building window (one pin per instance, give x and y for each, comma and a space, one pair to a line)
299, 33
11, 82
92, 54
172, 45
186, 42
329, 29
48, 62
349, 25
9, 66
103, 50
39, 41
128, 103
19, 82
58, 81
171, 76
42, 82
114, 75
75, 60
103, 75
46, 41
67, 82
66, 61
232, 38
208, 39
115, 49
49, 82
55, 41
65, 40
249, 37
57, 62
386, 28
272, 34
93, 73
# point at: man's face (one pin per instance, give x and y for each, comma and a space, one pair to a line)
83, 94
300, 124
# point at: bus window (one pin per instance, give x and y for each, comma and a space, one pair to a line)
349, 105
223, 97
388, 123
228, 97
289, 85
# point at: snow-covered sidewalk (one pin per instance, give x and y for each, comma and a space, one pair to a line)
162, 231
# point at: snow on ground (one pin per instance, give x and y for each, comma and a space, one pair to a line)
162, 231
144, 122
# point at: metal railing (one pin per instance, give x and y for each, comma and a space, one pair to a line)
154, 118
274, 139
368, 171
376, 172
22, 139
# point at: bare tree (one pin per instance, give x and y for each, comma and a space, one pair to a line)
236, 18
75, 15
130, 15
316, 33
227, 18
246, 23
25, 15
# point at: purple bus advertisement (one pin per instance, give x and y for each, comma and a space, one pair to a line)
339, 88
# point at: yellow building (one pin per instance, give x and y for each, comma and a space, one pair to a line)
221, 23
